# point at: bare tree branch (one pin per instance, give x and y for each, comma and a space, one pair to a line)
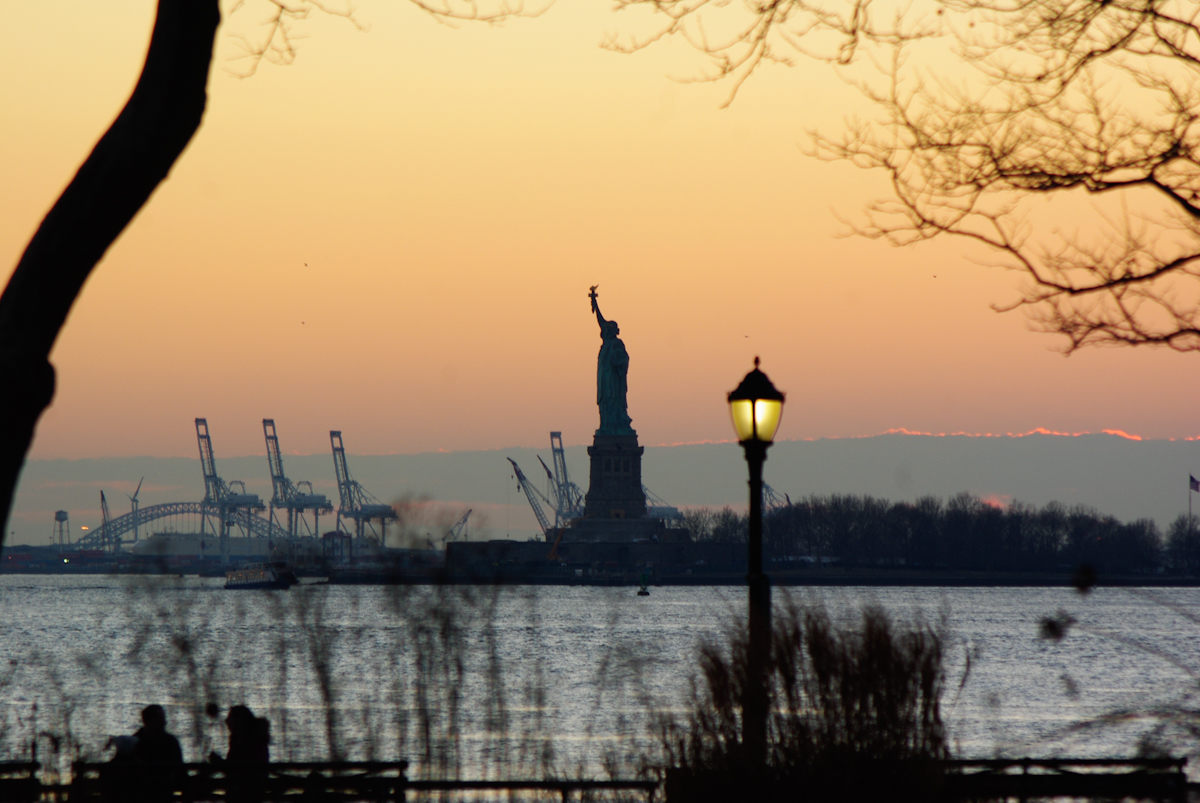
114, 182
1053, 121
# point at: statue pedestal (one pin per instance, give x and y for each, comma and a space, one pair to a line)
615, 531
615, 505
615, 481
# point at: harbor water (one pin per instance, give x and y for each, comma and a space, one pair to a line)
526, 680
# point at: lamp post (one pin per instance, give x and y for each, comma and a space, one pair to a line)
756, 407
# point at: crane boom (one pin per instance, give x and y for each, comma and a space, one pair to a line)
356, 503
555, 491
345, 489
279, 482
560, 459
568, 498
532, 495
213, 486
570, 495
216, 491
772, 500
456, 532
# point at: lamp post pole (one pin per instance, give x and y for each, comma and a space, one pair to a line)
754, 707
756, 406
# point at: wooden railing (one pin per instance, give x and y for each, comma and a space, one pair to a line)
1022, 779
953, 781
960, 780
19, 781
323, 781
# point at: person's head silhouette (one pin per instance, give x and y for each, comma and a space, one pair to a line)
240, 719
154, 718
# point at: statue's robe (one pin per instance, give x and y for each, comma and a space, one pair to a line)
612, 368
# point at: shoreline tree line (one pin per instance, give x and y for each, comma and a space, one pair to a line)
963, 533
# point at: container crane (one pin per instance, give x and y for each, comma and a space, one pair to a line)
555, 498
219, 497
458, 531
291, 497
533, 495
568, 496
772, 500
565, 498
356, 503
562, 496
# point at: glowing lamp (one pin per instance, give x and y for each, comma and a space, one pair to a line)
756, 407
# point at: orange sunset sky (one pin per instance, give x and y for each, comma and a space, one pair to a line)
394, 236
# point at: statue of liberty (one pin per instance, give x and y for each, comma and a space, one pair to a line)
612, 368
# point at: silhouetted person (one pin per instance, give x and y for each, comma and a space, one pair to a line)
249, 754
159, 755
154, 744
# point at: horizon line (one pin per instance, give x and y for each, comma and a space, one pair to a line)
1117, 433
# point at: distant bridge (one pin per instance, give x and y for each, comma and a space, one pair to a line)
107, 535
227, 505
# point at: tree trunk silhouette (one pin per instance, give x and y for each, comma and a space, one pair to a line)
118, 177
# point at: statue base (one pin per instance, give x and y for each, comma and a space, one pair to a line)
618, 531
615, 481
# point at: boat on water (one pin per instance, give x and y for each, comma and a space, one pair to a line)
260, 575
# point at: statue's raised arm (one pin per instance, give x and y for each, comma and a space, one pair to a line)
596, 308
